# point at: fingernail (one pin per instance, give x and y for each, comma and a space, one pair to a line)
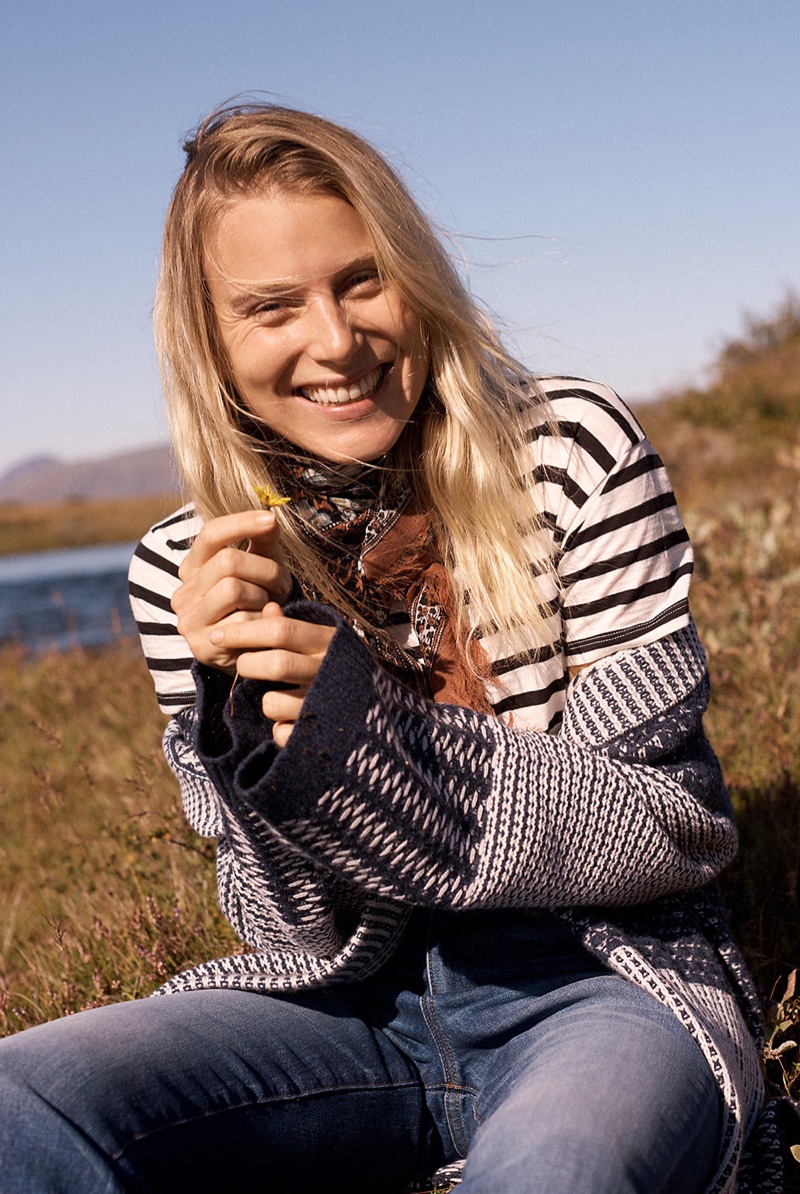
216, 636
265, 518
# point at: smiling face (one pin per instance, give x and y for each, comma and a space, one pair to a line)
322, 351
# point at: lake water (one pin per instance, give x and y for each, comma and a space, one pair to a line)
52, 600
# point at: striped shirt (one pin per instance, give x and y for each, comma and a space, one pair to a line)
623, 560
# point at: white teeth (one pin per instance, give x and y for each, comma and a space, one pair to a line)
341, 395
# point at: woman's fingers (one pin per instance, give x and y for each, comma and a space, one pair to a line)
214, 557
230, 601
266, 547
219, 596
232, 568
275, 634
278, 666
283, 706
279, 650
219, 533
282, 732
223, 584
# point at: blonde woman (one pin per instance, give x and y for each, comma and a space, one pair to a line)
424, 639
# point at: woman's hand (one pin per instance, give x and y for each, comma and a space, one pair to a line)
223, 584
278, 649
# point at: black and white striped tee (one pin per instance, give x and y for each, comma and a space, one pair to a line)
623, 560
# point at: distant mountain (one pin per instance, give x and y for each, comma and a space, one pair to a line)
125, 474
29, 468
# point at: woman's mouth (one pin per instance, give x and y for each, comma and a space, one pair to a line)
342, 395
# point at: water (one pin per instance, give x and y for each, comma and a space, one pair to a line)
52, 600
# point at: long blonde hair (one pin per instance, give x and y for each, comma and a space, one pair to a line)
464, 450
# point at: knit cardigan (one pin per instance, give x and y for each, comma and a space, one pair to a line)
382, 801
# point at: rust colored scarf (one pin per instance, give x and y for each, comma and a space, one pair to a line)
381, 549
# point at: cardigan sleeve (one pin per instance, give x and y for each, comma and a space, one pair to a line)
272, 895
438, 806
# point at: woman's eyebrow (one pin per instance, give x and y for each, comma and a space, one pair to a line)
244, 298
250, 292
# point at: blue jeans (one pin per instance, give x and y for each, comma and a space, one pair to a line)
490, 1034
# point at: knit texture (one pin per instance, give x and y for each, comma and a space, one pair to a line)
383, 800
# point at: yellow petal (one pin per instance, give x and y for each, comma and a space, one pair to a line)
268, 498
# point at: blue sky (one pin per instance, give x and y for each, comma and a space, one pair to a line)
621, 176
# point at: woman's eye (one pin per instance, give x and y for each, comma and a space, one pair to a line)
364, 282
271, 309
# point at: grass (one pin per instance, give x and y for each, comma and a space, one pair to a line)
739, 492
733, 452
79, 523
104, 889
747, 604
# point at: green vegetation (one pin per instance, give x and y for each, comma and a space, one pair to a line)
105, 892
79, 523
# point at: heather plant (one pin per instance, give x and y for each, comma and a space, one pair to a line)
782, 1051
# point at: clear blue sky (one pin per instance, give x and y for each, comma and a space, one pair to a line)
641, 156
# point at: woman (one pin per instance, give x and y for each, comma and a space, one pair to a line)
440, 702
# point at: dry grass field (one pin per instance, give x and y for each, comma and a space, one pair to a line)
78, 523
104, 891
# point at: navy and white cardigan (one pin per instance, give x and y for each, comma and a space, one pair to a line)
383, 800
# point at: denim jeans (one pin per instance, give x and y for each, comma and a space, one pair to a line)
487, 1034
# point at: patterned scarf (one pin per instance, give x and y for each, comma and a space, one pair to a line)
381, 550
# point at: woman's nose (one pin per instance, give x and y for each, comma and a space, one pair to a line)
331, 336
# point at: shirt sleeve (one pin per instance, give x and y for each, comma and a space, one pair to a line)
623, 555
152, 579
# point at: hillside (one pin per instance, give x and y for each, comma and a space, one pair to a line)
45, 503
44, 479
733, 451
741, 434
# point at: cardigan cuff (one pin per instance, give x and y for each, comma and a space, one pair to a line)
234, 738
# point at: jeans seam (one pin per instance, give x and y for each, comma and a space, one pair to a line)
105, 1158
452, 1105
259, 1102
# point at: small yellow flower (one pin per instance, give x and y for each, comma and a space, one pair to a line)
269, 499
